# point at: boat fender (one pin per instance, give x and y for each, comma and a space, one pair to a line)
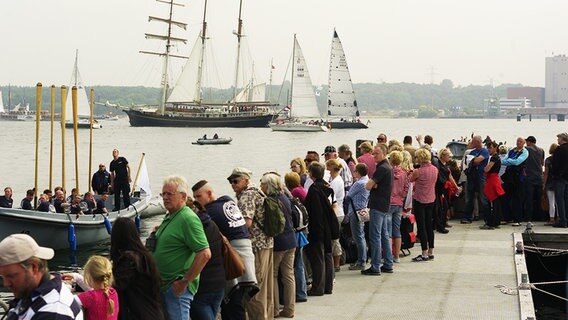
137, 222
71, 237
108, 225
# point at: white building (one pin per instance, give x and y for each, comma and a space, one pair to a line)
556, 85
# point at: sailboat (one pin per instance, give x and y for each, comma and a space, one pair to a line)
342, 109
83, 105
185, 106
303, 110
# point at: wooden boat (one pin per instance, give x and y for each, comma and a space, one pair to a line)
54, 229
213, 141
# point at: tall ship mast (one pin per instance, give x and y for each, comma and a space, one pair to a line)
185, 106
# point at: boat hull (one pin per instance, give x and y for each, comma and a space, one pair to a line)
83, 125
51, 229
347, 125
150, 119
297, 127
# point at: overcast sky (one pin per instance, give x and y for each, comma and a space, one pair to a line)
468, 42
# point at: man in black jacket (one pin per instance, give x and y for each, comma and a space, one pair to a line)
559, 172
101, 180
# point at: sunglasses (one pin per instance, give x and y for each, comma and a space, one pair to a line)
234, 181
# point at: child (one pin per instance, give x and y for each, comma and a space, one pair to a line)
100, 302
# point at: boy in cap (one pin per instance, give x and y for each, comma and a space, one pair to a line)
23, 267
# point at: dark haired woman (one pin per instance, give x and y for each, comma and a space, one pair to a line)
493, 189
136, 278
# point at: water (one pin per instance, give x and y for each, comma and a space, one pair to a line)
169, 151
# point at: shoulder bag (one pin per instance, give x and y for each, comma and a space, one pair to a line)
232, 261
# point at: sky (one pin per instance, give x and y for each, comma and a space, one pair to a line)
420, 41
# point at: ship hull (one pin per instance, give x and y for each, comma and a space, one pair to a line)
145, 119
347, 125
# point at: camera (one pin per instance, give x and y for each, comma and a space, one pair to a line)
151, 241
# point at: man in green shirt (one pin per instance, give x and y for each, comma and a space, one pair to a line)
181, 250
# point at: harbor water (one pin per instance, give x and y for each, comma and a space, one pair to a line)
169, 151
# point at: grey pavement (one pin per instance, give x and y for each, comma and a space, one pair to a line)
458, 284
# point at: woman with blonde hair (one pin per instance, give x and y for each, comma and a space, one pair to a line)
424, 195
299, 166
399, 190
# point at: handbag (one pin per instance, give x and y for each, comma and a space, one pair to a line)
232, 261
302, 239
408, 199
362, 214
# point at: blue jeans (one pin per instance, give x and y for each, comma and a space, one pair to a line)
206, 305
358, 234
379, 234
177, 307
396, 213
561, 195
299, 273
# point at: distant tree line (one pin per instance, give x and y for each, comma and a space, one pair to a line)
405, 99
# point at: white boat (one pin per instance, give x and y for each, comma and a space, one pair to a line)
303, 111
83, 105
342, 109
53, 229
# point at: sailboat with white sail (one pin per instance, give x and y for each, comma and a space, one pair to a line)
303, 111
342, 109
185, 106
83, 105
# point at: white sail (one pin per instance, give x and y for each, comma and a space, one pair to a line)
304, 103
144, 180
83, 106
188, 87
1, 104
341, 100
257, 93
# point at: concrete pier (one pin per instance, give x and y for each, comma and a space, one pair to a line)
458, 284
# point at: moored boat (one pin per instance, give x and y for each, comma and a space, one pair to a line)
457, 148
52, 229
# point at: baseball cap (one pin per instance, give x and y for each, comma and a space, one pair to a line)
531, 139
329, 149
240, 172
20, 247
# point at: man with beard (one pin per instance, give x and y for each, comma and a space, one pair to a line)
225, 212
37, 293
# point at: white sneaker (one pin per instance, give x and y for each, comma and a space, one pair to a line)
396, 260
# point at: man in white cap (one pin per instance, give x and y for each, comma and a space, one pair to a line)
250, 202
37, 293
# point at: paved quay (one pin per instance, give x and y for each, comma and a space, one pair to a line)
458, 284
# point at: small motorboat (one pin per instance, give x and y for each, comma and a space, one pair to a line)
204, 141
457, 148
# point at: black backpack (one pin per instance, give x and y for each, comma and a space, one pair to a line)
300, 218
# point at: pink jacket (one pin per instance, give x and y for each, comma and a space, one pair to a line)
399, 186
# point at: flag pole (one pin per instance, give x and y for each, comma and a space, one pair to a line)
38, 116
137, 173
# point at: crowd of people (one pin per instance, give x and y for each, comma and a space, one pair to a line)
180, 272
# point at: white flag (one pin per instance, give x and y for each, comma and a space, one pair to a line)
144, 180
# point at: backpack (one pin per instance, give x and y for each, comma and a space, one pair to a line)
408, 236
300, 218
274, 219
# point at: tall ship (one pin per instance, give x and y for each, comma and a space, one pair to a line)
342, 108
184, 105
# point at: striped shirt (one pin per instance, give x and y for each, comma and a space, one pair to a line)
51, 300
424, 191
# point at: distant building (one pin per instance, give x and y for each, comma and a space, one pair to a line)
556, 82
534, 94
